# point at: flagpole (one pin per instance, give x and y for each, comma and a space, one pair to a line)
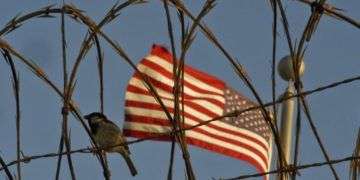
286, 72
287, 111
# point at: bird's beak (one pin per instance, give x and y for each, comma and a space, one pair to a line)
86, 117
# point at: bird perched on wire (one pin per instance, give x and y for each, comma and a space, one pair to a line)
107, 135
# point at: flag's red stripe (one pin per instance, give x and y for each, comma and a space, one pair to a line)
138, 90
146, 119
168, 89
164, 72
166, 55
129, 103
143, 134
162, 122
202, 144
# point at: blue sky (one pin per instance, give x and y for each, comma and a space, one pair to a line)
243, 27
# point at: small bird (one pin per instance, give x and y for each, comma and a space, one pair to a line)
107, 134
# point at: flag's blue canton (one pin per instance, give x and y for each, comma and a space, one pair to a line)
250, 120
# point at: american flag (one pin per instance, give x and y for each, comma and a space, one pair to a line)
246, 137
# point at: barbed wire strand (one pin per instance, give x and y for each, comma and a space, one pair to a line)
309, 29
65, 109
173, 50
16, 89
5, 167
334, 12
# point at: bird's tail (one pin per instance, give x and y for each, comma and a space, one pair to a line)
130, 164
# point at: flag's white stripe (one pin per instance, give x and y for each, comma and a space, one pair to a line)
196, 135
191, 79
191, 122
138, 83
269, 155
165, 80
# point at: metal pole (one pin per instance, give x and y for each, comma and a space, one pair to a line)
287, 111
286, 72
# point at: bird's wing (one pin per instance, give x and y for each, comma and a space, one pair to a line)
112, 128
110, 123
